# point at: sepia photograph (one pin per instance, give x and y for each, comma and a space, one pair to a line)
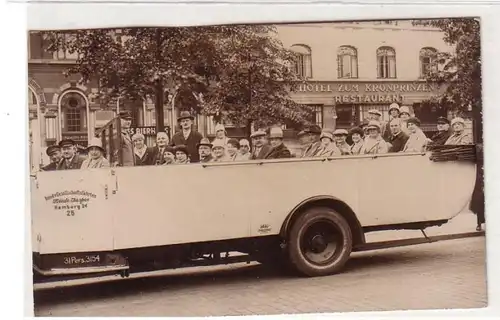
257, 169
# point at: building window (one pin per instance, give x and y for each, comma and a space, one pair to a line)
73, 114
386, 63
303, 62
428, 61
347, 60
346, 115
64, 53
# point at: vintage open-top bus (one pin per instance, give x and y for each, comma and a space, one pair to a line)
310, 213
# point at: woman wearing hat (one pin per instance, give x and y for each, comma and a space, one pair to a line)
169, 155
459, 136
393, 114
219, 151
374, 143
245, 150
181, 154
220, 134
357, 135
144, 155
95, 157
327, 147
417, 141
404, 115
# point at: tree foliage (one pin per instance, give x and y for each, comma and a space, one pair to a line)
460, 70
238, 73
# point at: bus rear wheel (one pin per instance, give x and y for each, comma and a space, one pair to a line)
319, 242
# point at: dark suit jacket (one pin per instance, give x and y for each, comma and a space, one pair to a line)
147, 159
262, 153
50, 167
398, 142
207, 159
280, 152
75, 163
439, 138
191, 143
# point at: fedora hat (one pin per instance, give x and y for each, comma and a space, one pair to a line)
276, 133
204, 142
258, 133
185, 115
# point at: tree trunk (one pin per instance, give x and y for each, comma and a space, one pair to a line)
160, 125
248, 128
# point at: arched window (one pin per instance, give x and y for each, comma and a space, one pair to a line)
428, 61
347, 59
74, 117
31, 99
386, 62
303, 62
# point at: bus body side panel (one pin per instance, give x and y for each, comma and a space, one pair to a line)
70, 211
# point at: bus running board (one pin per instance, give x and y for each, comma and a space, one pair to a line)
413, 241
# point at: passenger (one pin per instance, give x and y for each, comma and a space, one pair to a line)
417, 140
374, 143
311, 139
55, 155
169, 155
328, 147
278, 149
144, 156
260, 146
70, 160
393, 114
443, 132
376, 115
233, 150
127, 147
404, 115
95, 157
364, 126
245, 152
398, 138
340, 136
219, 151
221, 134
159, 150
187, 136
357, 136
459, 136
181, 154
205, 150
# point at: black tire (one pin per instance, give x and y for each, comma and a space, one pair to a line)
312, 238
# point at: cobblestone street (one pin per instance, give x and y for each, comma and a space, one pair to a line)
449, 274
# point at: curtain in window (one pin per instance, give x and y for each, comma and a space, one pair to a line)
303, 62
386, 62
428, 61
347, 58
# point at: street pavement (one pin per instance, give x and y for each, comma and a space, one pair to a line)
448, 274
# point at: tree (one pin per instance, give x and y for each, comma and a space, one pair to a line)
237, 73
461, 70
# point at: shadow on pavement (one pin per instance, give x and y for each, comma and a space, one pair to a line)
173, 282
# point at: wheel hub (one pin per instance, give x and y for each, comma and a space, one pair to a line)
318, 243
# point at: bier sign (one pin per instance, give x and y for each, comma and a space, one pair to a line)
147, 131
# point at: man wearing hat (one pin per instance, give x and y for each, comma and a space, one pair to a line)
310, 137
127, 147
443, 132
244, 150
393, 114
260, 146
376, 115
340, 140
95, 157
278, 148
205, 150
187, 136
459, 136
70, 160
55, 155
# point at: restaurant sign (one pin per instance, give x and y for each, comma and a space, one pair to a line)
367, 92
